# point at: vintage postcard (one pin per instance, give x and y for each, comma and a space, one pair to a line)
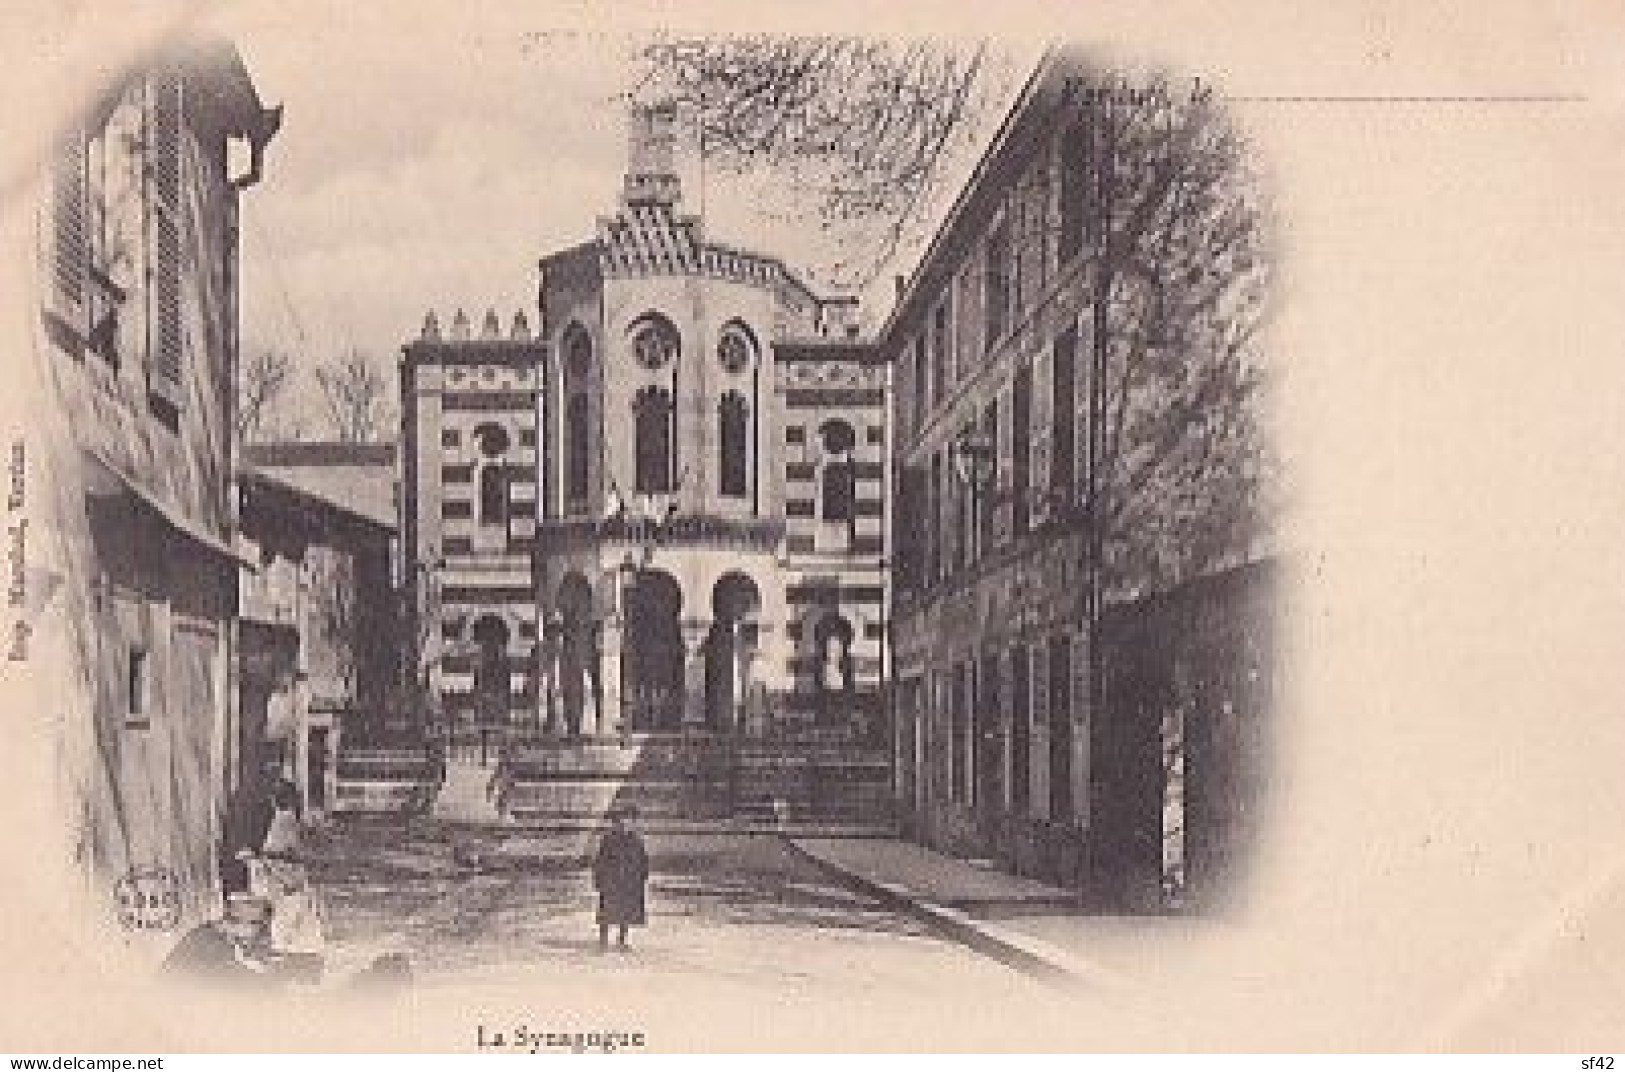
575, 527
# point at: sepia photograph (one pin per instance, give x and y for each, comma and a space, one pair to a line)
541, 529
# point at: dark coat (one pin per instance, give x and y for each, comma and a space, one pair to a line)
247, 821
619, 872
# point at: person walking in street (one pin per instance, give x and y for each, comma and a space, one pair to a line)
619, 872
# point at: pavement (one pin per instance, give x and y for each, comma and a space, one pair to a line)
440, 869
503, 921
1027, 925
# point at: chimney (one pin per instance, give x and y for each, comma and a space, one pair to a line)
651, 156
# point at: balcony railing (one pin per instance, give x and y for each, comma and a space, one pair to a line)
762, 534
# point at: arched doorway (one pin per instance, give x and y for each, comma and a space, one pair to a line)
832, 642
652, 659
578, 652
729, 647
491, 674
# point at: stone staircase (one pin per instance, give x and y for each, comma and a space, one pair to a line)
467, 797
697, 779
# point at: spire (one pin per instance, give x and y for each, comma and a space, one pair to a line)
651, 164
491, 328
521, 327
459, 326
431, 327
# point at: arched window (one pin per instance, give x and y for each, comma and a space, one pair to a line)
733, 443
833, 640
839, 477
577, 441
577, 348
654, 341
736, 349
493, 439
652, 416
494, 494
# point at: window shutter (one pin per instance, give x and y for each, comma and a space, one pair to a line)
908, 527
70, 247
1039, 423
165, 348
1004, 491
1038, 685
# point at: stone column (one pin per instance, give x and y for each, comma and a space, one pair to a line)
694, 633
610, 709
747, 702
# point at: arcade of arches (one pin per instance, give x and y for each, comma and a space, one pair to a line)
674, 671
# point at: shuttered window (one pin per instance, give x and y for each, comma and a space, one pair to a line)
70, 247
164, 340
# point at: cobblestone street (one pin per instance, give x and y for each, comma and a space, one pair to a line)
494, 907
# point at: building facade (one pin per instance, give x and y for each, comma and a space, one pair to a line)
991, 640
667, 506
1011, 741
469, 465
318, 650
139, 279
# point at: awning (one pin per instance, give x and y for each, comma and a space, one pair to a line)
176, 521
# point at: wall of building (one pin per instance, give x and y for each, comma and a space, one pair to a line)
993, 733
475, 407
144, 499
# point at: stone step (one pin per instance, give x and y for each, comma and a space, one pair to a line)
468, 797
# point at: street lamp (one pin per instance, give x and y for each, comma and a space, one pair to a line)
973, 458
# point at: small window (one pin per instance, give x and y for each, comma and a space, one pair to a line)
838, 436
737, 348
494, 494
493, 439
527, 437
733, 444
576, 446
795, 433
654, 342
839, 490
653, 438
874, 435
450, 437
137, 717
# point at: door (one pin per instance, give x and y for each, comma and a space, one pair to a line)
316, 769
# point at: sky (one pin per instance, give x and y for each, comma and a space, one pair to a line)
435, 166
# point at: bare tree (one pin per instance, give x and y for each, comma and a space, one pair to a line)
263, 382
1179, 258
357, 398
861, 125
1166, 214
